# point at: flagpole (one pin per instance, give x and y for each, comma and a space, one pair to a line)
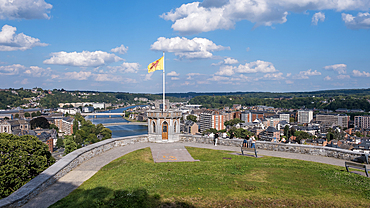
164, 86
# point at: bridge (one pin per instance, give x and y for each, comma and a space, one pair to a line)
95, 115
126, 123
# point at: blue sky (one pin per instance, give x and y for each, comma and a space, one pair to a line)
211, 45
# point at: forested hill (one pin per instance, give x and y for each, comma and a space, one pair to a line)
321, 93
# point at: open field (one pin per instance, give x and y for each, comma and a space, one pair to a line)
219, 180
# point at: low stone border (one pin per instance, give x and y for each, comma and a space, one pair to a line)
72, 160
282, 147
63, 166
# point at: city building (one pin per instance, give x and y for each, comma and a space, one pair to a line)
333, 120
65, 125
305, 116
211, 119
250, 116
362, 122
285, 117
190, 127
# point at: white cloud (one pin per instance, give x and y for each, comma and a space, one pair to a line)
226, 70
121, 49
36, 71
274, 76
54, 76
339, 68
361, 21
107, 78
357, 73
9, 41
186, 48
11, 69
255, 67
248, 49
342, 76
173, 74
190, 75
82, 75
230, 61
289, 82
217, 78
125, 68
24, 81
305, 74
83, 59
175, 78
24, 9
327, 78
186, 83
199, 17
148, 76
318, 17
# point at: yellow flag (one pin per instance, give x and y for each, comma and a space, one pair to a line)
157, 65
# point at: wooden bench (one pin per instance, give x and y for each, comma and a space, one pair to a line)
249, 150
357, 166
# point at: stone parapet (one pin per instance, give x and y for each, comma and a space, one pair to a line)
63, 166
73, 159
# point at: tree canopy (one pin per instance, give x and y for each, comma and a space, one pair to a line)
22, 158
41, 122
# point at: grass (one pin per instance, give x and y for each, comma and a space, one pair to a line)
219, 180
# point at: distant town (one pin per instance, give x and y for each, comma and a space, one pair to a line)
346, 128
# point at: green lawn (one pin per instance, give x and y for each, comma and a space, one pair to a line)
219, 180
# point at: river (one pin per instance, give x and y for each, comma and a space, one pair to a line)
119, 131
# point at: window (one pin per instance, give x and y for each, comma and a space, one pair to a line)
174, 127
153, 127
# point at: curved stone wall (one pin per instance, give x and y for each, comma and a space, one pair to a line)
72, 160
63, 166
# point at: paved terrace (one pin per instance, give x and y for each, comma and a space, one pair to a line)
168, 152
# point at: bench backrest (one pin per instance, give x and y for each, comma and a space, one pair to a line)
248, 149
356, 165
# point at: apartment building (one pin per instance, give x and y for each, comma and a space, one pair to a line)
333, 119
211, 119
362, 122
65, 125
305, 116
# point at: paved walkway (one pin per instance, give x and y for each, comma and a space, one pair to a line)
170, 152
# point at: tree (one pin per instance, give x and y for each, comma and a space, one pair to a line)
211, 130
26, 114
41, 122
60, 143
69, 145
286, 130
78, 139
107, 133
38, 113
75, 126
22, 158
6, 118
33, 114
301, 135
329, 136
16, 115
232, 122
191, 118
358, 134
53, 126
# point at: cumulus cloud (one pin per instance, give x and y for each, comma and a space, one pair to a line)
226, 61
217, 78
121, 49
255, 67
342, 76
361, 21
9, 41
173, 74
190, 75
125, 68
327, 78
358, 73
148, 76
24, 81
226, 70
36, 71
339, 68
175, 78
318, 17
306, 74
82, 75
185, 48
211, 15
83, 59
24, 9
107, 78
273, 76
11, 69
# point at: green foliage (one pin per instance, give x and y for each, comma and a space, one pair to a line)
53, 126
41, 122
301, 135
191, 118
38, 113
75, 126
60, 143
232, 122
33, 114
16, 115
239, 132
69, 145
358, 134
286, 130
211, 130
22, 158
26, 114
